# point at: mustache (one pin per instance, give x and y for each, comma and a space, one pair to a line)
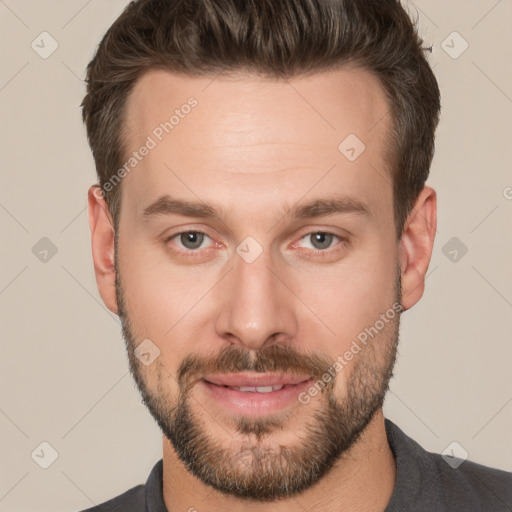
234, 359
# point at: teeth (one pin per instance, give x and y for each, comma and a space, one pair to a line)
258, 389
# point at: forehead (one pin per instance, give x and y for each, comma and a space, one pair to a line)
254, 133
331, 103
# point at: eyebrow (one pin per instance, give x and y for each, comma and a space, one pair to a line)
334, 205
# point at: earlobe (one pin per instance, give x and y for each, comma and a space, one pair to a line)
416, 246
103, 250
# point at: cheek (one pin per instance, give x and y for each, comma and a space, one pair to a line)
365, 282
347, 299
166, 303
151, 284
157, 302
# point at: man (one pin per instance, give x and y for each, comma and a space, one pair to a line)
260, 224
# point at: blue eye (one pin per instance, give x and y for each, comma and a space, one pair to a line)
324, 240
191, 243
321, 240
191, 239
188, 241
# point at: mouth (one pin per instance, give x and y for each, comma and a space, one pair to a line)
256, 380
255, 394
257, 389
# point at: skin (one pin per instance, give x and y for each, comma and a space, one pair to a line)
256, 148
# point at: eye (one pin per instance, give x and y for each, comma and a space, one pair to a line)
189, 240
322, 240
189, 243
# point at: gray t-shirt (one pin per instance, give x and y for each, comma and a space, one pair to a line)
425, 482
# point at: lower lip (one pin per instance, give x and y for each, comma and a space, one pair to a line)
256, 404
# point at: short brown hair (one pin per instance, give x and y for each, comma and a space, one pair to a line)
273, 38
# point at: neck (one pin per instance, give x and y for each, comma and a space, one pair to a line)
361, 480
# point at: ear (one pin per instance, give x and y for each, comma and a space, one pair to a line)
103, 251
416, 246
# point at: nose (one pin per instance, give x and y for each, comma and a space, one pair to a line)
256, 306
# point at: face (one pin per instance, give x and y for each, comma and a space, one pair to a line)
284, 263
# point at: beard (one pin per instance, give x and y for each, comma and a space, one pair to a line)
256, 470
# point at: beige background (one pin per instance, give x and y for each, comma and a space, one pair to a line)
64, 371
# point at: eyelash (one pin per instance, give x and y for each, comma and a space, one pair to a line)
192, 253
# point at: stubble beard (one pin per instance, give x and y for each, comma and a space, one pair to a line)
257, 469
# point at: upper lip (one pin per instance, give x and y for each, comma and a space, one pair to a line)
255, 379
